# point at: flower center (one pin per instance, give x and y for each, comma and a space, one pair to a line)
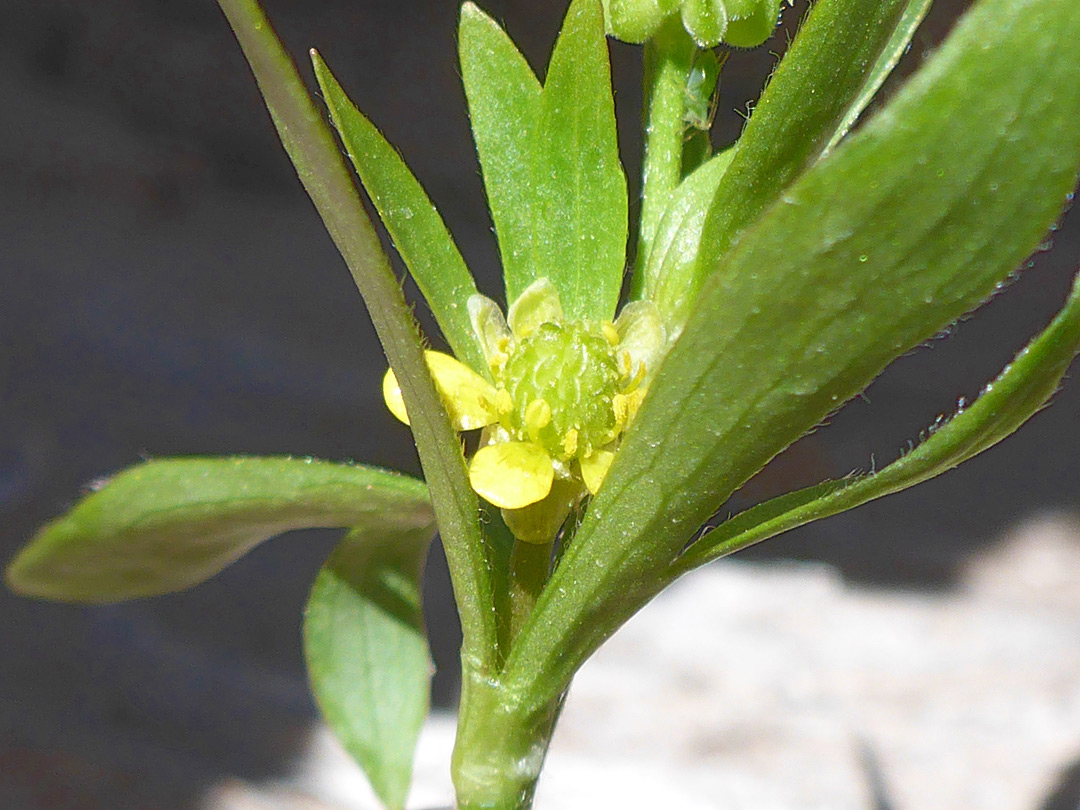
562, 380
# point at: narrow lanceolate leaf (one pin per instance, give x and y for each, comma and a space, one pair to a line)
809, 95
1018, 393
417, 230
170, 524
580, 227
910, 222
504, 107
322, 169
894, 49
367, 655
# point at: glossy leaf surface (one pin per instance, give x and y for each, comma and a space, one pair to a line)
170, 524
416, 228
908, 224
367, 655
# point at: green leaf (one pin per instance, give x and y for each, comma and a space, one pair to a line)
170, 524
911, 222
890, 55
504, 106
807, 98
581, 214
1018, 393
672, 261
416, 228
367, 654
322, 169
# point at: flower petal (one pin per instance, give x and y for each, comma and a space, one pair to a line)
594, 469
468, 397
538, 304
512, 475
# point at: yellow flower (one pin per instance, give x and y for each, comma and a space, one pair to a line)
563, 393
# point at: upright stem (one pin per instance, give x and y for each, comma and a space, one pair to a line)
499, 748
669, 57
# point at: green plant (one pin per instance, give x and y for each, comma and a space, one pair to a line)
771, 282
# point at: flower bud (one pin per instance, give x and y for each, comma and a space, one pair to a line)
742, 23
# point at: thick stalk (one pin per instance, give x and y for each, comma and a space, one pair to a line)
669, 57
500, 748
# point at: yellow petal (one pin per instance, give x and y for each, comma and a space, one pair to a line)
468, 397
512, 475
594, 469
391, 394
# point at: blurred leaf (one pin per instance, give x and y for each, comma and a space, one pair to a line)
170, 524
504, 106
416, 228
909, 223
581, 215
367, 654
1018, 393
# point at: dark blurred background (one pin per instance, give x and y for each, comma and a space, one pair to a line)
168, 289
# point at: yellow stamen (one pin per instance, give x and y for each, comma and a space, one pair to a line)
537, 417
620, 406
570, 442
610, 332
504, 403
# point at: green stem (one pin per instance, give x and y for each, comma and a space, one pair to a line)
530, 565
321, 167
669, 57
499, 749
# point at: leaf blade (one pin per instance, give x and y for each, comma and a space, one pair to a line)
799, 111
1020, 391
414, 224
581, 213
890, 55
367, 654
170, 524
504, 108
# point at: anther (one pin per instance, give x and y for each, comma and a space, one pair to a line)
570, 442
